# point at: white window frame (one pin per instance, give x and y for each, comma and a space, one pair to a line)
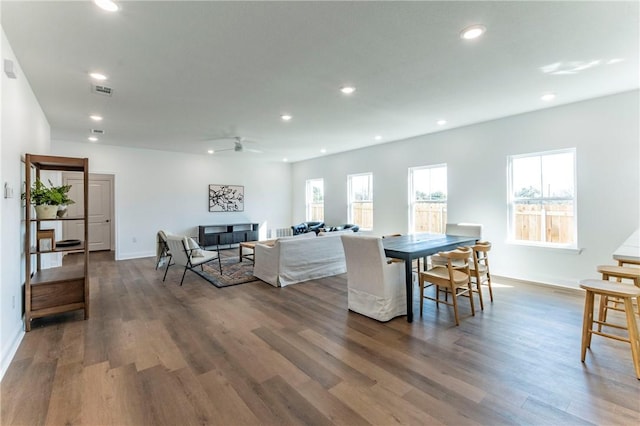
351, 201
413, 202
512, 200
309, 200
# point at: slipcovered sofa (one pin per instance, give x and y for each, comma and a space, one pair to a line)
291, 260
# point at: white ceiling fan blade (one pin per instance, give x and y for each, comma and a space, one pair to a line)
256, 151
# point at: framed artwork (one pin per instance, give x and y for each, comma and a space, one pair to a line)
226, 198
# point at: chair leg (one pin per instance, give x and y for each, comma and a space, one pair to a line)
489, 285
479, 288
473, 308
183, 274
220, 263
166, 270
454, 298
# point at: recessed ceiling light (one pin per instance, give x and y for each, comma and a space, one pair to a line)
322, 151
347, 90
377, 137
210, 151
548, 97
441, 122
108, 5
98, 76
285, 159
95, 117
474, 31
92, 139
286, 117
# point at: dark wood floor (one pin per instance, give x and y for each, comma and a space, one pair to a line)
154, 353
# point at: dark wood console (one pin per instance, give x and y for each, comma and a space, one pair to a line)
213, 235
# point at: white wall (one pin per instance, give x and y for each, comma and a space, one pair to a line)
24, 128
166, 190
605, 132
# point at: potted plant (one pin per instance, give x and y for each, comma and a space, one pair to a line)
48, 200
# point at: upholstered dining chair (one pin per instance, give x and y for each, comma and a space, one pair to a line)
375, 285
186, 252
415, 265
454, 278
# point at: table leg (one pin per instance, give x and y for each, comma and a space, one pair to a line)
409, 282
240, 252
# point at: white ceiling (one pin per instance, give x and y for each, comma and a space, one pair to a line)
184, 73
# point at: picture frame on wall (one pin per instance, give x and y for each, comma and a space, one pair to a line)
226, 198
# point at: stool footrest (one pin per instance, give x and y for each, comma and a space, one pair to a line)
608, 324
611, 336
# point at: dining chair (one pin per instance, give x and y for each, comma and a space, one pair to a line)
479, 269
416, 262
462, 229
186, 252
376, 285
454, 278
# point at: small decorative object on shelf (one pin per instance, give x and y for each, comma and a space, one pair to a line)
46, 240
68, 243
49, 201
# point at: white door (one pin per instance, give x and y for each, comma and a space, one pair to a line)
100, 210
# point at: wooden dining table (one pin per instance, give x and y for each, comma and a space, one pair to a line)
415, 246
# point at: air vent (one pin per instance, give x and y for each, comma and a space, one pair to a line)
97, 132
102, 90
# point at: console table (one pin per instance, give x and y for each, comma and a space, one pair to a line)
214, 235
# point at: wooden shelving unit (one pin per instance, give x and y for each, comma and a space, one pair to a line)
66, 288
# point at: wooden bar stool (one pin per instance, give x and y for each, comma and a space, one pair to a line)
619, 273
610, 289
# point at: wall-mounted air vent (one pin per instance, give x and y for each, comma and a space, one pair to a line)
97, 132
102, 90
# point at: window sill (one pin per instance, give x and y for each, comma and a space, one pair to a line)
559, 249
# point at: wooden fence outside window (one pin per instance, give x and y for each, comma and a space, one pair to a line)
555, 221
551, 223
316, 212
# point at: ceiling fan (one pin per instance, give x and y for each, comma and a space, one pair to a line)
238, 145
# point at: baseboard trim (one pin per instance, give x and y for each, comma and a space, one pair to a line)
515, 281
7, 357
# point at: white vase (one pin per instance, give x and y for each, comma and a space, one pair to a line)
46, 212
62, 211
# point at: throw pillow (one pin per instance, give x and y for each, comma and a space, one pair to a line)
194, 245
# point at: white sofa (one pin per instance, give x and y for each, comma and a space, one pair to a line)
303, 257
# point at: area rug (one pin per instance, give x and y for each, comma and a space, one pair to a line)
233, 272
